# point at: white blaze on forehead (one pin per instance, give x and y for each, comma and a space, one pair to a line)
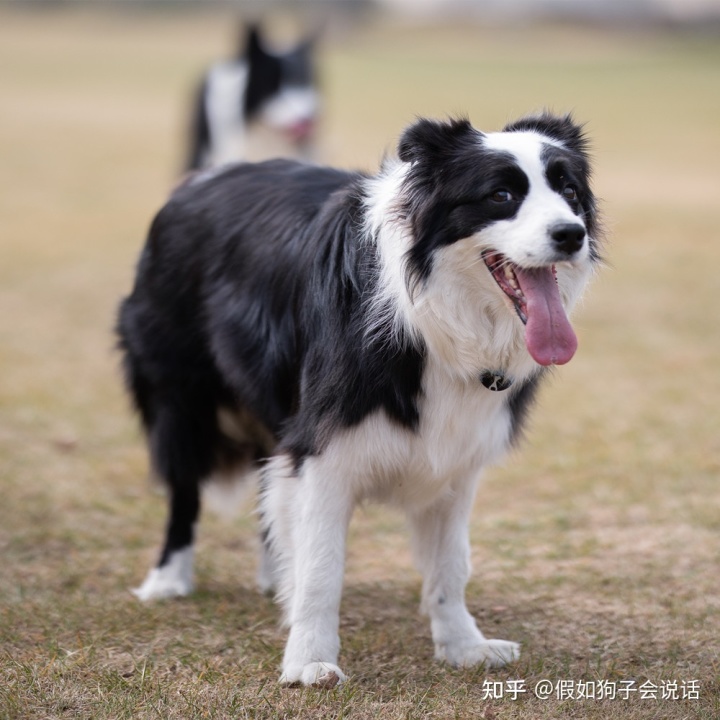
526, 147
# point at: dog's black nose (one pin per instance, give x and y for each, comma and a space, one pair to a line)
568, 237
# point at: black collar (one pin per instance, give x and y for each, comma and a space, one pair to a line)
495, 380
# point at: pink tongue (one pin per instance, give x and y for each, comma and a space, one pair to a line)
548, 335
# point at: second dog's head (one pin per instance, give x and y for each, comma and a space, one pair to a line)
282, 89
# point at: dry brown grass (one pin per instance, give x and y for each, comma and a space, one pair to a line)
597, 546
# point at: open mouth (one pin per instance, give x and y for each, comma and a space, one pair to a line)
300, 130
505, 276
535, 295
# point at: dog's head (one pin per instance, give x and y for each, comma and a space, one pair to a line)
519, 204
281, 90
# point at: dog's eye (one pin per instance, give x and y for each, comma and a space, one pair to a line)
502, 196
569, 192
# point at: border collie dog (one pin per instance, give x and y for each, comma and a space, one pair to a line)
349, 337
259, 88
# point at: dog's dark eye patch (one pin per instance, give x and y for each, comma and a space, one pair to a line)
559, 174
561, 169
469, 201
496, 197
464, 207
565, 177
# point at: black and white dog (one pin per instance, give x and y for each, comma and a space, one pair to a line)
351, 337
258, 89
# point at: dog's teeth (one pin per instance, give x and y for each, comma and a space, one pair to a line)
510, 277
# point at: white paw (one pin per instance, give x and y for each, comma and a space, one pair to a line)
174, 579
315, 674
491, 653
158, 587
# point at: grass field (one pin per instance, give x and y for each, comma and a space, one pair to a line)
597, 546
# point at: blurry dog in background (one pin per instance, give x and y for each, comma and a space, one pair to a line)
260, 104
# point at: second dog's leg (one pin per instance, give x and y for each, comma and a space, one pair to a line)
442, 553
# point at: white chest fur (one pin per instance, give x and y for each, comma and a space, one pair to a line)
463, 427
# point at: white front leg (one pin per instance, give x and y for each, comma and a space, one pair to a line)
313, 561
442, 553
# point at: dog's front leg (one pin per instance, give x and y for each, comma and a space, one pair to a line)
319, 520
442, 553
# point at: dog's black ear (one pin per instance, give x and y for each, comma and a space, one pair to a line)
432, 138
559, 127
253, 42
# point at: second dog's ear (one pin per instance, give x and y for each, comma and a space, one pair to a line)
253, 44
432, 138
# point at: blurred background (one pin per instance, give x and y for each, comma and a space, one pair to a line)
620, 471
96, 106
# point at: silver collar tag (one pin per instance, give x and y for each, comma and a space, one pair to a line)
495, 381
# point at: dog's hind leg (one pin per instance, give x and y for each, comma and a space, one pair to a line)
181, 437
173, 576
441, 549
